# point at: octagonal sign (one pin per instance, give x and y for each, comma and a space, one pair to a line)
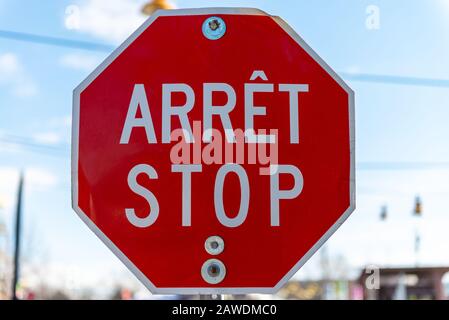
213, 151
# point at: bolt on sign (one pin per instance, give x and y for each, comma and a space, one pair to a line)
213, 151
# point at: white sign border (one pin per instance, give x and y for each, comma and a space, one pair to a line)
75, 131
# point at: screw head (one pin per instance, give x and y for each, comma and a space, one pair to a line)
214, 28
214, 245
213, 271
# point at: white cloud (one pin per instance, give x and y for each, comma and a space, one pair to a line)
14, 77
36, 179
444, 3
39, 178
8, 186
353, 69
81, 62
61, 122
9, 64
7, 147
53, 132
111, 20
5, 201
48, 138
25, 90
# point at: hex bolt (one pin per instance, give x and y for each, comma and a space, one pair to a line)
214, 28
213, 271
214, 245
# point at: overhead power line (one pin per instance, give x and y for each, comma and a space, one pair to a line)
32, 146
93, 46
401, 165
62, 152
411, 81
54, 41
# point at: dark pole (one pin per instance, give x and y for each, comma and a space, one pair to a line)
17, 238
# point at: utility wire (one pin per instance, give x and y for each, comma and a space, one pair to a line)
27, 142
411, 81
54, 41
93, 46
401, 165
55, 151
30, 145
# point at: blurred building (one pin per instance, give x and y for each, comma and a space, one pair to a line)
322, 290
4, 259
407, 283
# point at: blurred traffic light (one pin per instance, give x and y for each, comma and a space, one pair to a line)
154, 5
418, 207
383, 213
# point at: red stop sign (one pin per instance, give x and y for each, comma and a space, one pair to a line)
213, 152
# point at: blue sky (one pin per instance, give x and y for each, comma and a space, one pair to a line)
395, 123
